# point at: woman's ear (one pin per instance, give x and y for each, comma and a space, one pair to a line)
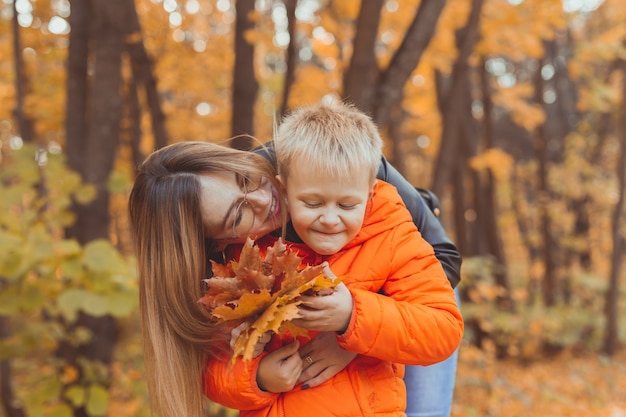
219, 247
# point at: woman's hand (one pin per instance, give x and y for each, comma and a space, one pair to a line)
327, 359
260, 344
279, 370
326, 313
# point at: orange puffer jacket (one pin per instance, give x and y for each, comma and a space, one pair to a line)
404, 313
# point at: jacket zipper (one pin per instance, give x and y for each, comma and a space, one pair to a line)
281, 406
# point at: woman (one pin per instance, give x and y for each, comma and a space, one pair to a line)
173, 236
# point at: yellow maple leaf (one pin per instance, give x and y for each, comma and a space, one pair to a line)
271, 319
247, 304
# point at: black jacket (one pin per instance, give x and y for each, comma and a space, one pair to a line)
423, 212
421, 209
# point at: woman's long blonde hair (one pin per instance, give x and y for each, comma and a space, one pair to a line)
164, 207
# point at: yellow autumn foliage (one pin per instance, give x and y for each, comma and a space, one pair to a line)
498, 162
517, 100
517, 31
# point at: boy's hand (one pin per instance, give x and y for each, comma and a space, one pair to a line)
279, 370
327, 313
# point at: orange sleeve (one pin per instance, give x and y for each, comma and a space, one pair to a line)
416, 321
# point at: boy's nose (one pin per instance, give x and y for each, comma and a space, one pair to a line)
329, 216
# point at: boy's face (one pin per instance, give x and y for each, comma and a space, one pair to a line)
326, 212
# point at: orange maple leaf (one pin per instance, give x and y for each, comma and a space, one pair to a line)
264, 292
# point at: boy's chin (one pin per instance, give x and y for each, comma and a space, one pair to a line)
325, 249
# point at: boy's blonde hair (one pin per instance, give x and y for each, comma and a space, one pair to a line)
334, 138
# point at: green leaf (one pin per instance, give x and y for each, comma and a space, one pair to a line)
76, 395
11, 268
65, 218
67, 247
70, 301
9, 301
95, 305
72, 268
60, 410
31, 298
80, 336
49, 389
85, 194
10, 257
101, 256
119, 182
11, 347
70, 181
122, 304
97, 400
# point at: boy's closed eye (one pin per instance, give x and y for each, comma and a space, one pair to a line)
312, 204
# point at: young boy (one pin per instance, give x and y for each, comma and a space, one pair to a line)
396, 306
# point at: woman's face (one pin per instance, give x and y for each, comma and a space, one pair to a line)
234, 208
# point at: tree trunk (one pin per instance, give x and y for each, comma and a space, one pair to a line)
290, 59
549, 281
489, 206
130, 134
450, 107
522, 198
24, 123
96, 147
459, 209
561, 119
245, 85
612, 293
567, 94
77, 87
360, 77
8, 401
105, 114
469, 147
143, 72
394, 133
10, 404
465, 184
581, 206
391, 82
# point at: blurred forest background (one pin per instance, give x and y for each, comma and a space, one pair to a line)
512, 111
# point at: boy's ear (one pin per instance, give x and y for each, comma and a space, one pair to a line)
283, 187
371, 192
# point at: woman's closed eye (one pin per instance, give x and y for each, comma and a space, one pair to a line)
238, 213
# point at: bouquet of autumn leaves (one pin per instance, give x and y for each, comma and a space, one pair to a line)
263, 291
